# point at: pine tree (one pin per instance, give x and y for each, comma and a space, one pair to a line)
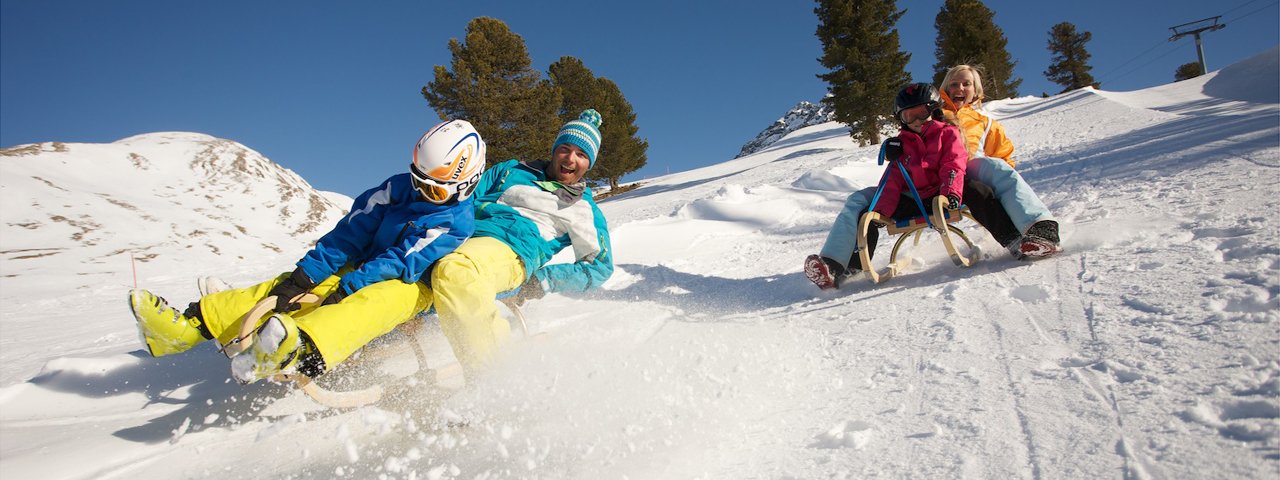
1187, 71
493, 86
967, 34
578, 88
1070, 61
620, 151
867, 68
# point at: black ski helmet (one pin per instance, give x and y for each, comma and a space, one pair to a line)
917, 94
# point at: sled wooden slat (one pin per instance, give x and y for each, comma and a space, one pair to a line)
252, 320
943, 225
353, 398
357, 398
942, 219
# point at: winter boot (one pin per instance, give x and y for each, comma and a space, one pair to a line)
822, 271
161, 328
1040, 241
277, 346
1015, 249
1044, 230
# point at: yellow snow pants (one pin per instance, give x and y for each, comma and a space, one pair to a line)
466, 283
336, 330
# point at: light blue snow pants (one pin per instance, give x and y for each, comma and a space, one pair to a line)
842, 240
1020, 202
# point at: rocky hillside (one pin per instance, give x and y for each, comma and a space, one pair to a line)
804, 114
99, 204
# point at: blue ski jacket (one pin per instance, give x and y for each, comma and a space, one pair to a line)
390, 233
516, 205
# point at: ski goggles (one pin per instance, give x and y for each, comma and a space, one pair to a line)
914, 114
432, 190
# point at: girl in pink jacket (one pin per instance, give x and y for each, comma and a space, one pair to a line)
932, 151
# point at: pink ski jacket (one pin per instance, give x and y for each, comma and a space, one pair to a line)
935, 159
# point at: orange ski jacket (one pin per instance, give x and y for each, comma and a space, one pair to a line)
983, 135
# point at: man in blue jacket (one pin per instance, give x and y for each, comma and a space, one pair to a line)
526, 212
370, 270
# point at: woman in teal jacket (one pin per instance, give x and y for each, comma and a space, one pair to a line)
526, 213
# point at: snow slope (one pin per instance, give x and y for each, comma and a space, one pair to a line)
1149, 349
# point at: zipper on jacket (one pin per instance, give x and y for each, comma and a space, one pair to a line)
405, 228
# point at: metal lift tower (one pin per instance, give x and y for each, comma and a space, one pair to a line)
1195, 29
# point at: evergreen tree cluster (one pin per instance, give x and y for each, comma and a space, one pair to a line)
967, 34
1070, 67
865, 66
1187, 71
492, 84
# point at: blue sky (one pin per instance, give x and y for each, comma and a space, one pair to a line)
331, 89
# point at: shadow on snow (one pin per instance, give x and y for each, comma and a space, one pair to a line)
202, 371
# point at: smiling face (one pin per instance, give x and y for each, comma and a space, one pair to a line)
963, 85
568, 164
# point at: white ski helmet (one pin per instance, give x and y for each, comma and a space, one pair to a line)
447, 162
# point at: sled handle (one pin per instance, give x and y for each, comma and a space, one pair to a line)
249, 322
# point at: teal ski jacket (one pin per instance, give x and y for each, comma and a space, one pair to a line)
517, 205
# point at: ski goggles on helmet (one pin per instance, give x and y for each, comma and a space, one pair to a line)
432, 190
914, 114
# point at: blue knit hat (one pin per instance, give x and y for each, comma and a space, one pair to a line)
583, 133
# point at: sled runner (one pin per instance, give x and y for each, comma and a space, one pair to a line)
940, 221
425, 376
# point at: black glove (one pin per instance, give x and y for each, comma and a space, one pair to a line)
297, 283
335, 297
530, 290
892, 149
953, 202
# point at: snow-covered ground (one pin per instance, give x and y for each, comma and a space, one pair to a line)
1149, 349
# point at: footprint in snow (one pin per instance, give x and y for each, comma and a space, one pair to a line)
1031, 294
853, 434
1246, 420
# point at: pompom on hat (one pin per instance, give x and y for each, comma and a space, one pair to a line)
583, 133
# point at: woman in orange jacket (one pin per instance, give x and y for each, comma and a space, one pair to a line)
991, 162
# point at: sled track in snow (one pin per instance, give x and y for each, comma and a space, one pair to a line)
1016, 392
1124, 447
1086, 372
1088, 363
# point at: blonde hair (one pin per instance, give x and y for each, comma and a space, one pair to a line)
976, 71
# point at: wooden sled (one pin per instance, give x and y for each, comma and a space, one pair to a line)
253, 319
941, 221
